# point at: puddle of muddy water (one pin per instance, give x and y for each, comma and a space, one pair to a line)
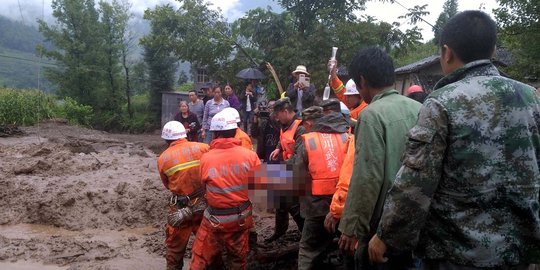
25, 265
37, 231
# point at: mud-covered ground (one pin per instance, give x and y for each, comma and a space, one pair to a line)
74, 198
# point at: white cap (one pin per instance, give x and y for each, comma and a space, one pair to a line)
350, 88
344, 109
223, 121
234, 112
173, 130
300, 69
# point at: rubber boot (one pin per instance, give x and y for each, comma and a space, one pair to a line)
253, 240
298, 219
281, 225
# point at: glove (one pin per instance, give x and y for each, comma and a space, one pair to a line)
199, 206
179, 216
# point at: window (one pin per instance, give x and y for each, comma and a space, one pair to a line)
202, 77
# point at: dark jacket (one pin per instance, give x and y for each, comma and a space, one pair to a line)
315, 206
243, 100
308, 96
267, 134
195, 127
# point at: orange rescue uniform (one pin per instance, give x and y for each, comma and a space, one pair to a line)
244, 138
340, 196
326, 152
286, 138
179, 170
339, 89
225, 170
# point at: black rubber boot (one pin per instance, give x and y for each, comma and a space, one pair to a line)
298, 219
281, 225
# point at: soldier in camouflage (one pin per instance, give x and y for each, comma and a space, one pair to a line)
467, 194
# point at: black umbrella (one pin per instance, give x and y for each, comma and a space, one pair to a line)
250, 73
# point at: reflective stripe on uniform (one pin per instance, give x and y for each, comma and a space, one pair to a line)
312, 145
344, 137
227, 189
183, 166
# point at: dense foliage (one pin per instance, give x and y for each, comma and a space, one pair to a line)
28, 107
91, 65
519, 23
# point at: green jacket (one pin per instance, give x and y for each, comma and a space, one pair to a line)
468, 190
381, 134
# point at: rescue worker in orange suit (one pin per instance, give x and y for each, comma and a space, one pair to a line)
240, 134
290, 132
317, 161
348, 93
227, 219
245, 142
179, 169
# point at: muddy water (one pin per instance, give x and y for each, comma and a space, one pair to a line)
24, 265
33, 231
55, 248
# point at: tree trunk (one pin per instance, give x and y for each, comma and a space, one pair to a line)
128, 87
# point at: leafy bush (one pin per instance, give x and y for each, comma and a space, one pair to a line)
25, 107
75, 113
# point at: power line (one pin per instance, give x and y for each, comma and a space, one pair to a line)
28, 60
20, 11
408, 9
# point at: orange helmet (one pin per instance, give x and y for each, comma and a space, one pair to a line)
413, 89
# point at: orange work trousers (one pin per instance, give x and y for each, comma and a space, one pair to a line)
211, 242
177, 239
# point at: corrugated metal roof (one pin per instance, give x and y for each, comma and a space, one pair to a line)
502, 57
428, 61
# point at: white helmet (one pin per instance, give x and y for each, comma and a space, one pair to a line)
223, 121
350, 88
173, 130
234, 112
344, 109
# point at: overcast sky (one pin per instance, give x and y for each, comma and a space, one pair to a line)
30, 10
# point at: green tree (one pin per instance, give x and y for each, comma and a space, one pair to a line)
308, 13
519, 23
158, 57
77, 49
450, 8
113, 22
182, 78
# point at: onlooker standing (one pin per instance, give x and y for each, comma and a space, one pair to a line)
260, 92
249, 101
211, 108
380, 137
466, 196
189, 121
196, 105
417, 93
266, 129
231, 97
302, 96
207, 91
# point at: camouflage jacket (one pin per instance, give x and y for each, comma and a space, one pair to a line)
468, 188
